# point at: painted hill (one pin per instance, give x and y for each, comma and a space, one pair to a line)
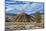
20, 18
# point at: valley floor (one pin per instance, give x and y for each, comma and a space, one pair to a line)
23, 25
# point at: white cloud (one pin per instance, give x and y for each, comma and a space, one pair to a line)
28, 8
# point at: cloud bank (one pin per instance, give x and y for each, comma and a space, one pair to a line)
20, 6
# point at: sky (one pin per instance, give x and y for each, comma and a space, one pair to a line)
16, 7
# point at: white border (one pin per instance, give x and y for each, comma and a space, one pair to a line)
2, 15
2, 21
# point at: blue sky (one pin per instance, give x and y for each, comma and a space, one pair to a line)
16, 7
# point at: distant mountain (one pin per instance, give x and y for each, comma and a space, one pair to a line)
12, 14
34, 14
